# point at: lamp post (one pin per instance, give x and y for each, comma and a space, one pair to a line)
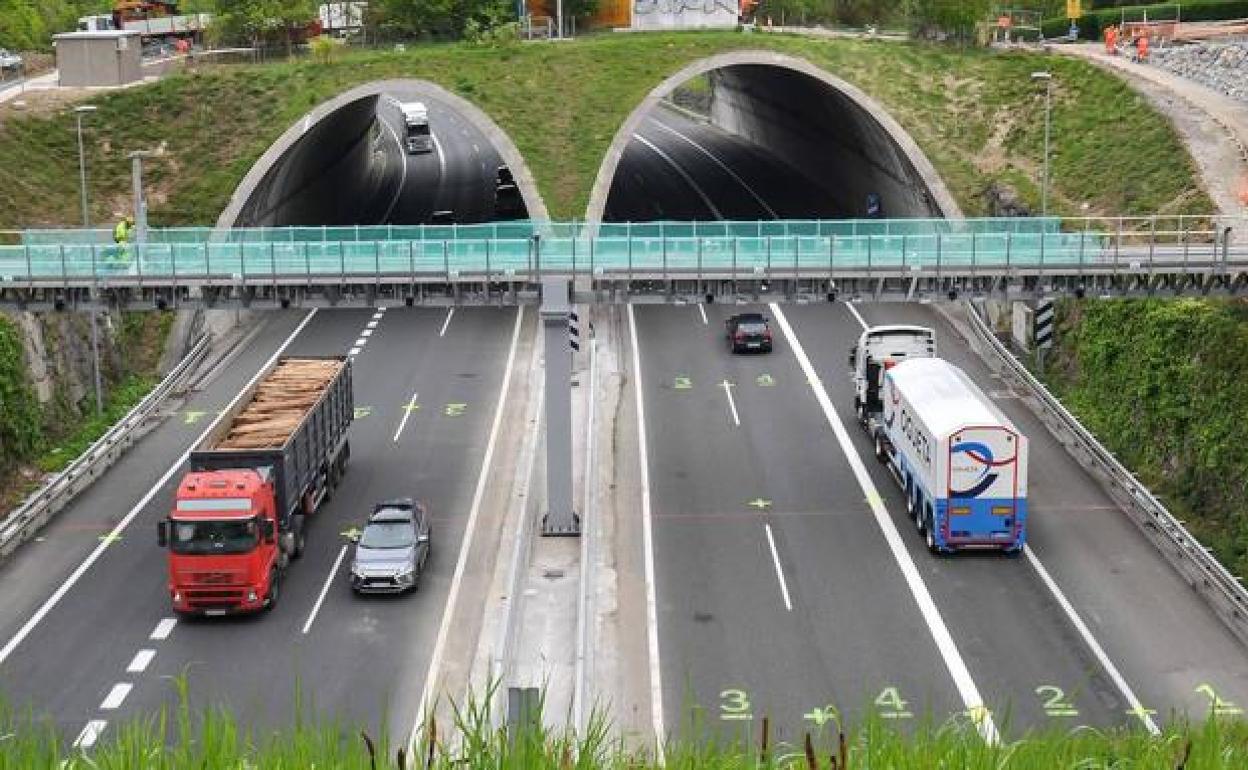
140, 202
1047, 77
79, 112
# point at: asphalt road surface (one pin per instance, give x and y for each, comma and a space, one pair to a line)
458, 176
342, 655
679, 169
779, 595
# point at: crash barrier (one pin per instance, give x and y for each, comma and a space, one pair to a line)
54, 495
1222, 590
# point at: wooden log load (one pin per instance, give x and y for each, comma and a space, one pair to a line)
280, 403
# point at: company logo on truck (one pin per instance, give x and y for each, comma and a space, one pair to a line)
981, 465
909, 426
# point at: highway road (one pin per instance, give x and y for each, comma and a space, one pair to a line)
458, 176
778, 592
426, 385
680, 169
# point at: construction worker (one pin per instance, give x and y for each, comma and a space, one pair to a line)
1111, 40
1141, 48
121, 236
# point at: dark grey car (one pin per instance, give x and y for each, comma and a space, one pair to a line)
391, 552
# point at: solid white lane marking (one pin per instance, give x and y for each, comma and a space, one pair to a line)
683, 175
353, 352
366, 333
770, 211
450, 312
116, 696
647, 529
927, 606
732, 404
372, 324
775, 558
90, 734
856, 314
329, 579
398, 193
77, 574
437, 146
164, 627
702, 311
140, 662
407, 412
1119, 680
435, 660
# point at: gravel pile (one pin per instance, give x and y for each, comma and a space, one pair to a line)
1220, 66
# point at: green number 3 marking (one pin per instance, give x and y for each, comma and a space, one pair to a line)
734, 703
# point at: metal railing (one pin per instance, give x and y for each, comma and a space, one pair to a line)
54, 495
1222, 590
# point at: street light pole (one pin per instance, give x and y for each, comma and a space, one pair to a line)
86, 223
140, 203
1047, 77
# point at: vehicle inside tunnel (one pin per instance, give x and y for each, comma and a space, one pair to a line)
759, 141
401, 157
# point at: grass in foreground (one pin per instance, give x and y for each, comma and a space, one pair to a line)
214, 739
976, 113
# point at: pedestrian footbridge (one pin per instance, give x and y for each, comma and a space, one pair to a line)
908, 259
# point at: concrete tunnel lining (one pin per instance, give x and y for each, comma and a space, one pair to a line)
257, 176
746, 109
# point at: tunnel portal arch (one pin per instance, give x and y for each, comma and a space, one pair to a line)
872, 122
259, 173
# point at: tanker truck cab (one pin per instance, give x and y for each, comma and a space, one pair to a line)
224, 551
879, 348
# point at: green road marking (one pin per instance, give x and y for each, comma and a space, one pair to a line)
1222, 708
1055, 702
455, 410
821, 716
734, 704
350, 534
683, 383
409, 408
759, 503
765, 381
363, 411
110, 538
891, 704
193, 417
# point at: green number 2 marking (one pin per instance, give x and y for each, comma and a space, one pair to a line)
455, 410
1220, 707
1055, 703
891, 704
683, 383
734, 704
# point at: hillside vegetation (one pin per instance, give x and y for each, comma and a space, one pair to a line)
976, 113
1164, 385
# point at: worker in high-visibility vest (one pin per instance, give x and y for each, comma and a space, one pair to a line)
1141, 48
121, 236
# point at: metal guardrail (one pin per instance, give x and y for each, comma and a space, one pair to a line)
1222, 590
37, 509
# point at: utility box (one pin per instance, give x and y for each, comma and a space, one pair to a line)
106, 58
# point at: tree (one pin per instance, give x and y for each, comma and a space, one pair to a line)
956, 18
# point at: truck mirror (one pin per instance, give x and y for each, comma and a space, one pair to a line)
162, 534
267, 531
422, 539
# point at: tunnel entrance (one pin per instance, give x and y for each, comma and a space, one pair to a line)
756, 136
391, 153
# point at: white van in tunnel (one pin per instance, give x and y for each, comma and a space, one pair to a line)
416, 119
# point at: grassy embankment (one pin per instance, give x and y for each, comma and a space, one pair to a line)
975, 113
38, 437
1164, 385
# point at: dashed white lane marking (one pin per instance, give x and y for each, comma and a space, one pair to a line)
476, 149
683, 175
353, 352
775, 558
366, 333
1119, 680
702, 311
90, 734
116, 696
732, 404
407, 412
140, 662
447, 322
948, 649
720, 163
329, 579
361, 342
429, 693
373, 323
647, 529
856, 314
163, 628
82, 568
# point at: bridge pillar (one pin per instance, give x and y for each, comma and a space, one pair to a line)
560, 519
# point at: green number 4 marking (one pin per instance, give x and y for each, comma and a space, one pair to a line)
765, 381
1222, 708
1055, 702
362, 412
891, 704
683, 383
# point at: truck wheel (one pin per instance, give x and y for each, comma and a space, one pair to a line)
881, 453
912, 505
920, 521
930, 537
275, 589
861, 409
301, 541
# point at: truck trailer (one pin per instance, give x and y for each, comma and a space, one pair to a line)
240, 512
961, 463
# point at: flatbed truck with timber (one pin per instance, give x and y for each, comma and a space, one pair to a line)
241, 511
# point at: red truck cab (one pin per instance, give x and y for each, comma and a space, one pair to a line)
224, 554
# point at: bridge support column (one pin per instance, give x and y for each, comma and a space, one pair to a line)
560, 519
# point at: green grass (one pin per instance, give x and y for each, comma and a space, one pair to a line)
123, 397
975, 113
180, 739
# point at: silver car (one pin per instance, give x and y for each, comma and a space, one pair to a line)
391, 551
9, 61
